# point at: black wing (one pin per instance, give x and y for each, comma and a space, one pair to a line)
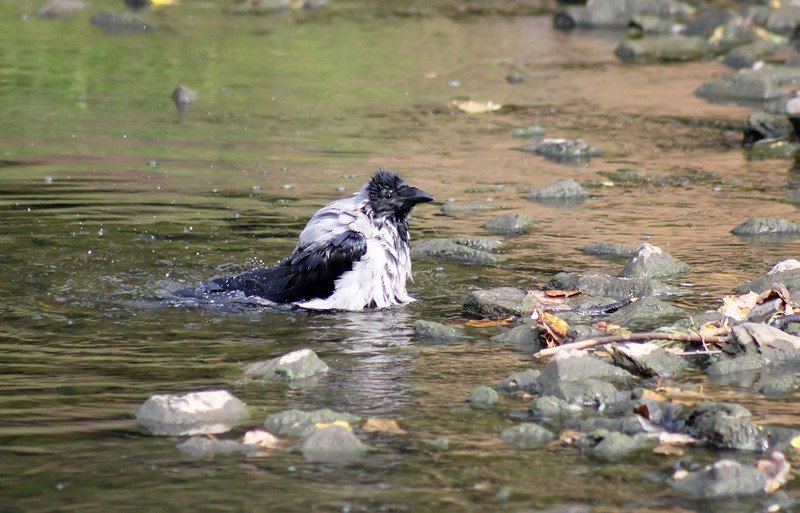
308, 273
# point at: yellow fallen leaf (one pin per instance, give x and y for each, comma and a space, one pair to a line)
383, 426
561, 293
473, 107
488, 323
555, 326
159, 3
668, 450
570, 437
737, 307
655, 396
795, 442
263, 439
340, 423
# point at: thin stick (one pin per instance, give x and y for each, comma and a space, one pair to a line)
631, 337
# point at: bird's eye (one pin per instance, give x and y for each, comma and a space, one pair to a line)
387, 193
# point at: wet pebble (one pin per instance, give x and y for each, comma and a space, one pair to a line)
209, 411
332, 444
510, 224
300, 364
653, 262
61, 8
483, 397
566, 191
526, 436
300, 424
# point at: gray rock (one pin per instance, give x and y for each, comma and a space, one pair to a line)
766, 83
300, 364
560, 191
574, 365
609, 250
736, 32
771, 149
782, 20
515, 78
510, 224
496, 303
523, 336
183, 97
483, 397
724, 479
725, 426
332, 444
441, 443
746, 56
456, 209
550, 407
526, 436
528, 132
443, 249
770, 344
210, 411
790, 278
647, 360
613, 446
120, 22
481, 243
563, 150
643, 24
527, 380
653, 262
708, 21
763, 125
202, 446
61, 8
647, 313
778, 386
300, 424
663, 49
627, 425
766, 226
603, 285
588, 392
436, 331
618, 13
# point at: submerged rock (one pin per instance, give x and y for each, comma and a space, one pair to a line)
526, 436
455, 208
603, 285
722, 480
529, 131
663, 49
497, 303
766, 342
647, 360
765, 83
560, 191
202, 446
766, 226
653, 262
618, 13
648, 312
436, 331
332, 444
481, 243
509, 224
588, 392
300, 424
550, 407
210, 411
120, 22
613, 446
564, 150
789, 277
483, 397
523, 336
575, 365
527, 380
61, 8
609, 250
300, 364
445, 249
746, 56
725, 426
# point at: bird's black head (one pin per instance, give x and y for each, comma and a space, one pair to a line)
390, 196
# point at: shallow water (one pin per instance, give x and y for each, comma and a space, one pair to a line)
108, 198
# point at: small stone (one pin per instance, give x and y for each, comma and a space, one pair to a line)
564, 150
647, 313
608, 250
183, 97
603, 285
332, 444
515, 78
456, 209
549, 407
449, 250
526, 380
766, 226
441, 443
725, 426
653, 262
210, 411
724, 479
205, 447
61, 8
526, 436
663, 49
613, 446
300, 424
483, 397
560, 191
120, 22
300, 364
436, 331
529, 131
496, 303
509, 224
647, 360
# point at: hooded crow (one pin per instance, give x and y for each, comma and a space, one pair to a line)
352, 255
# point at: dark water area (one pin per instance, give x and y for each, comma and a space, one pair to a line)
108, 198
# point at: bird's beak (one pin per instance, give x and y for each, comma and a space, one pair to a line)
411, 196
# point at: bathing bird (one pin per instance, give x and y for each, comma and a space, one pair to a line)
352, 255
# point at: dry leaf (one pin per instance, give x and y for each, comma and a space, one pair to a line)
776, 469
654, 396
668, 450
562, 293
796, 442
570, 437
642, 410
544, 299
263, 439
666, 438
555, 327
383, 426
483, 486
738, 307
488, 323
340, 423
473, 107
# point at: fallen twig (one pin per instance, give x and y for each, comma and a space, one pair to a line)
631, 337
